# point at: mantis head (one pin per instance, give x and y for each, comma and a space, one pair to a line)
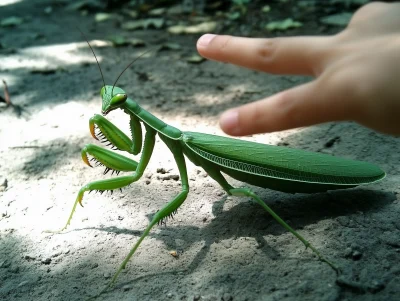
113, 98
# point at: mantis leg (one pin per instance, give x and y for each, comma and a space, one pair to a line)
112, 134
119, 182
215, 173
169, 209
105, 157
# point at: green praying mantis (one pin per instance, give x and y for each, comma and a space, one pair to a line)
274, 167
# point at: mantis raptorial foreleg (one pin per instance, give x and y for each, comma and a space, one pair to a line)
119, 182
112, 134
111, 160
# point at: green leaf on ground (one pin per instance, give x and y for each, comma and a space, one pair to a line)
101, 17
11, 21
156, 23
203, 27
195, 59
283, 25
337, 20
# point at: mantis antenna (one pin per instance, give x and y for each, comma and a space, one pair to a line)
126, 68
98, 64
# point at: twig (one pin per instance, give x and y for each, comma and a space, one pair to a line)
6, 94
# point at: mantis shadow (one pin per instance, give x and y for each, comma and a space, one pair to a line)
247, 219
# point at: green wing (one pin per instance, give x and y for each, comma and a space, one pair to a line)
281, 162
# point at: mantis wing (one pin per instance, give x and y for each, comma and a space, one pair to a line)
280, 168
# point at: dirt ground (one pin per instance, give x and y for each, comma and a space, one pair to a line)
229, 248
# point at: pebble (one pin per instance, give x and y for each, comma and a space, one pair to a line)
356, 255
168, 177
196, 297
29, 257
3, 185
46, 260
126, 287
161, 170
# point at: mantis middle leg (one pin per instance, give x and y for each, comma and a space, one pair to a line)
170, 208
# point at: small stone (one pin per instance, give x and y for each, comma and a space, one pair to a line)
220, 193
169, 295
29, 257
46, 260
356, 255
348, 252
196, 297
175, 177
3, 185
107, 275
161, 170
126, 287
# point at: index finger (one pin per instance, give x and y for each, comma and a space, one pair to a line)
284, 55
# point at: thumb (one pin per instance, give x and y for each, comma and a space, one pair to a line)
304, 105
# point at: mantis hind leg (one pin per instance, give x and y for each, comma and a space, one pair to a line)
215, 173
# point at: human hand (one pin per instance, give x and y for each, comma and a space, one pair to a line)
357, 75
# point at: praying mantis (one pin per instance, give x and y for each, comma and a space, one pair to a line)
274, 167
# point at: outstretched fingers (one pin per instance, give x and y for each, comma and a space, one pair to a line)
304, 105
291, 55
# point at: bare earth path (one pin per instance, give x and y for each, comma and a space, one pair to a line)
229, 248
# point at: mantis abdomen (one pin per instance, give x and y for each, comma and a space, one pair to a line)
280, 168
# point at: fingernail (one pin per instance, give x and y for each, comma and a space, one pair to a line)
229, 122
205, 39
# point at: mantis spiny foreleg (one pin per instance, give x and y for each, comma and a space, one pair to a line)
112, 134
119, 182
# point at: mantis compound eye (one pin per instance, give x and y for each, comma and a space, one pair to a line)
118, 99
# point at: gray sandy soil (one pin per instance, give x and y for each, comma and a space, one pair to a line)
229, 248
